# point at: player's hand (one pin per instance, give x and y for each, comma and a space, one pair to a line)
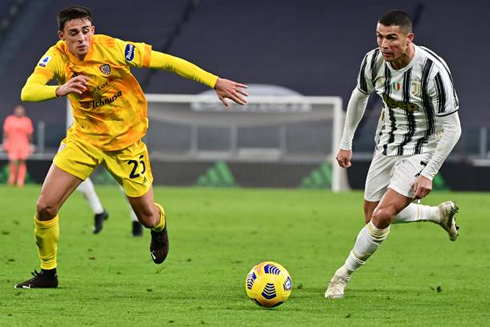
226, 89
422, 187
32, 148
77, 85
344, 158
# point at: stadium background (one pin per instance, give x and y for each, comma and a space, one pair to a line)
312, 47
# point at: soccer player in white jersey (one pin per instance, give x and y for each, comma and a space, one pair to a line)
419, 128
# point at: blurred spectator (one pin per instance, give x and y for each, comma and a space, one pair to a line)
17, 135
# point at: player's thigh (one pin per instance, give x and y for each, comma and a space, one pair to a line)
77, 158
131, 168
13, 154
406, 172
378, 177
73, 163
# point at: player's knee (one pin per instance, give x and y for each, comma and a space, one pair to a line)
45, 210
382, 217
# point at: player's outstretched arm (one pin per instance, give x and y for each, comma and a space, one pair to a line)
226, 89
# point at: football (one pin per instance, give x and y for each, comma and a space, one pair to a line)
268, 284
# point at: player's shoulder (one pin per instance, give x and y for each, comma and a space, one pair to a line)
373, 56
428, 54
104, 40
58, 49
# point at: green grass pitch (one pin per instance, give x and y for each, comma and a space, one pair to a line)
417, 278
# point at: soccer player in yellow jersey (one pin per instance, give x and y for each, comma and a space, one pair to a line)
110, 112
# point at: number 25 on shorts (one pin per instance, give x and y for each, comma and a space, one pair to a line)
138, 167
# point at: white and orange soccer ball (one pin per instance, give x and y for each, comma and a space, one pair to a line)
268, 284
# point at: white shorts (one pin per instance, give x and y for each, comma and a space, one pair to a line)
395, 172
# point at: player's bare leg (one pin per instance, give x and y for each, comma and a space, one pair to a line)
152, 215
57, 187
368, 239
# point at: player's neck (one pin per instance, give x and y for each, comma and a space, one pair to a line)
405, 58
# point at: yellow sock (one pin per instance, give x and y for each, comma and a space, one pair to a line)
47, 234
161, 225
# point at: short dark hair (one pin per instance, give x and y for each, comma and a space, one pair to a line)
397, 18
73, 12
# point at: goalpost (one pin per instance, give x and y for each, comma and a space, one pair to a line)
274, 131
273, 141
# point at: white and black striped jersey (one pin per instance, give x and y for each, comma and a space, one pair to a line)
413, 97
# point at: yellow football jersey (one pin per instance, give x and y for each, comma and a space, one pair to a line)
112, 113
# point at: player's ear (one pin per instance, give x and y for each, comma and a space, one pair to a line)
61, 35
410, 37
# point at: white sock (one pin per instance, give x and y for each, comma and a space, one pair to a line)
132, 215
88, 191
367, 242
418, 212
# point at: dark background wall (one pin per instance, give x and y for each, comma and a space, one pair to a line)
311, 46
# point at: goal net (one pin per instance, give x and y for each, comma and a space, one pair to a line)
273, 141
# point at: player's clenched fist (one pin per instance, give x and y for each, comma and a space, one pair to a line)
344, 158
77, 84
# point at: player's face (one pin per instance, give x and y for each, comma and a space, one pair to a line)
19, 111
77, 35
393, 42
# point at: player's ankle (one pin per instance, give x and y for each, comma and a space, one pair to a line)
49, 272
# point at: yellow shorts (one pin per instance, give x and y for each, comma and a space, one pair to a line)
130, 166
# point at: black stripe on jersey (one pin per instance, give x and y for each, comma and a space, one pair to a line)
373, 66
410, 116
452, 112
390, 111
362, 76
446, 68
429, 111
441, 93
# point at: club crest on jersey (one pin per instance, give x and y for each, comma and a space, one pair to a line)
44, 61
415, 88
105, 69
129, 52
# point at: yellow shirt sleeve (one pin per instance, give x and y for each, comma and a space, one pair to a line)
134, 54
35, 89
182, 67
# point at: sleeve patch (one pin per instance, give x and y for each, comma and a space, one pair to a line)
44, 61
129, 52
